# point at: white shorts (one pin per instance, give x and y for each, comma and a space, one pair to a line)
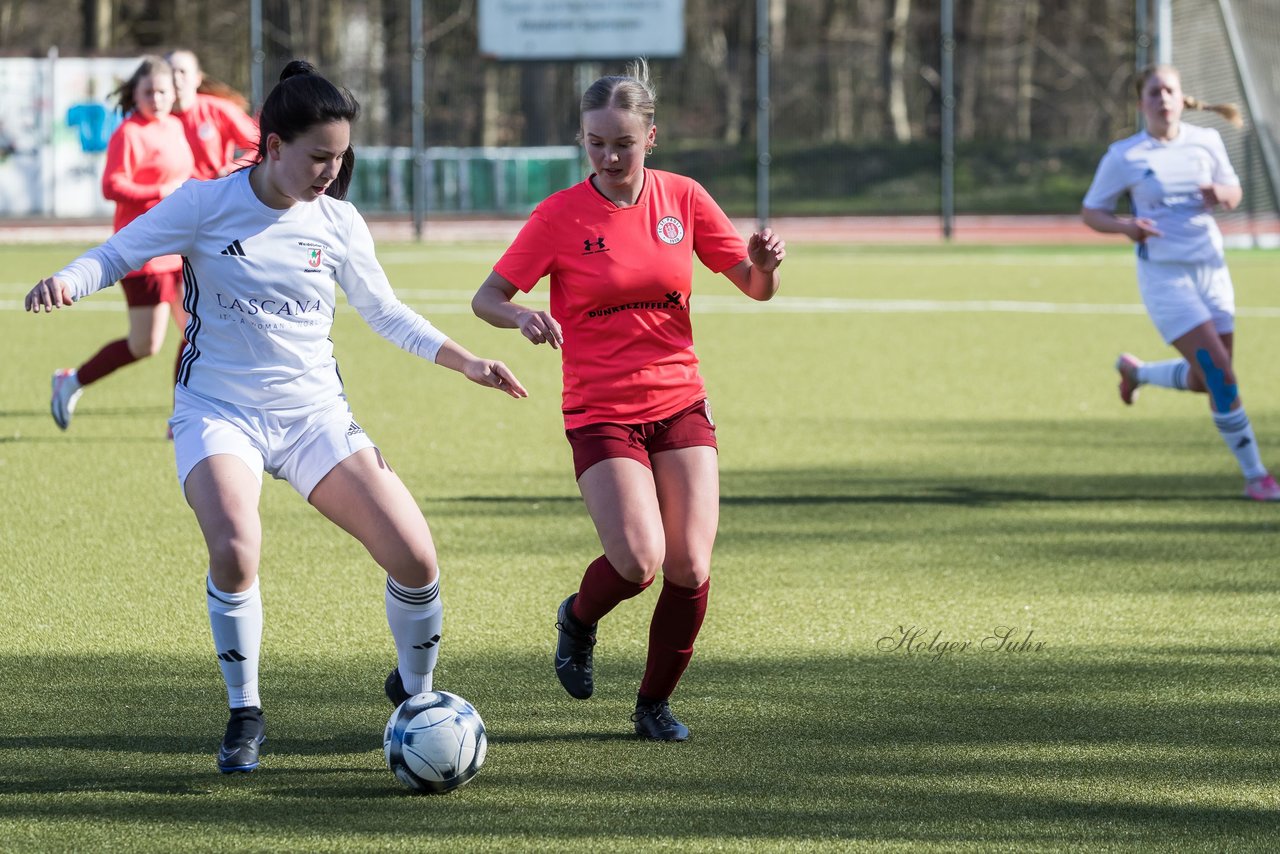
299, 445
1179, 297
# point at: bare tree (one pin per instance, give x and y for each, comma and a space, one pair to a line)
899, 13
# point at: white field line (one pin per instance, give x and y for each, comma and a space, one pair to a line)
459, 302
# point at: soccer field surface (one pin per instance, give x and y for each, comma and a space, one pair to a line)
962, 598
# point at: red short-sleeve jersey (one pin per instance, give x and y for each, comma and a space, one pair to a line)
216, 128
143, 156
620, 289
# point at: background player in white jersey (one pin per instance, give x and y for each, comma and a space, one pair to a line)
258, 388
1175, 174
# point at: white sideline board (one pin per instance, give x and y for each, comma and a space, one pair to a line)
45, 168
581, 29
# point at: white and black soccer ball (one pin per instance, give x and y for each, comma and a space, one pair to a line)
434, 742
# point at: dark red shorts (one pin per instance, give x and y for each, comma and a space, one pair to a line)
144, 289
690, 427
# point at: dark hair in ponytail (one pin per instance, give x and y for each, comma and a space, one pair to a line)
301, 100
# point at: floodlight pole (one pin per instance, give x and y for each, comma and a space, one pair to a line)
256, 56
948, 120
1142, 50
418, 89
762, 113
1164, 32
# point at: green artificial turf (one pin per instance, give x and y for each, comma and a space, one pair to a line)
922, 443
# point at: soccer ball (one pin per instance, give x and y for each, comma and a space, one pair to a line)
434, 742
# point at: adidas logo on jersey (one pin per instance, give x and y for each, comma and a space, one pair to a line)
234, 248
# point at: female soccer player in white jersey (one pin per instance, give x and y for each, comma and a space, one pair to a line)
1174, 174
258, 387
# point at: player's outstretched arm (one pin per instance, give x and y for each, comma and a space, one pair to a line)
486, 372
492, 304
51, 293
757, 277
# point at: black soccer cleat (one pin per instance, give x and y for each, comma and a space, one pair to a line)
653, 720
574, 652
243, 742
394, 686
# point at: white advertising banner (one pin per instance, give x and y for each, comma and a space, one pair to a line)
56, 116
580, 30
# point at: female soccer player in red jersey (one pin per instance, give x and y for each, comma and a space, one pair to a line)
213, 115
619, 249
147, 159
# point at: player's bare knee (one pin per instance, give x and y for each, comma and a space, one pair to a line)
414, 575
687, 571
638, 563
236, 555
144, 349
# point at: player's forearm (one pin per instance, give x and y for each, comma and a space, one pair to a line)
495, 309
761, 285
1105, 221
454, 356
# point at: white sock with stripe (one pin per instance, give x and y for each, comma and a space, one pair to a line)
415, 615
1237, 432
236, 621
1170, 373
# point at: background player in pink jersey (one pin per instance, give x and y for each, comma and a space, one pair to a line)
213, 114
147, 159
1174, 174
619, 249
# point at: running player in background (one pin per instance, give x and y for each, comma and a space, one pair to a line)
147, 159
213, 114
1175, 173
259, 387
619, 249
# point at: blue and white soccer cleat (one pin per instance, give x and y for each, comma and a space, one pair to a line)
66, 391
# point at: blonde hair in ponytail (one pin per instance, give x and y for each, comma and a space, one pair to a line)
1230, 112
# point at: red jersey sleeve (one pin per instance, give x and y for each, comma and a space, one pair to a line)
715, 240
531, 255
238, 126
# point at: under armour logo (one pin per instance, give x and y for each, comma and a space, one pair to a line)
593, 245
231, 655
435, 639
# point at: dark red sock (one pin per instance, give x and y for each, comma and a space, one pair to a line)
674, 627
111, 357
601, 590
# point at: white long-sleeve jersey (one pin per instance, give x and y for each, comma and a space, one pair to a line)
1163, 180
260, 289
